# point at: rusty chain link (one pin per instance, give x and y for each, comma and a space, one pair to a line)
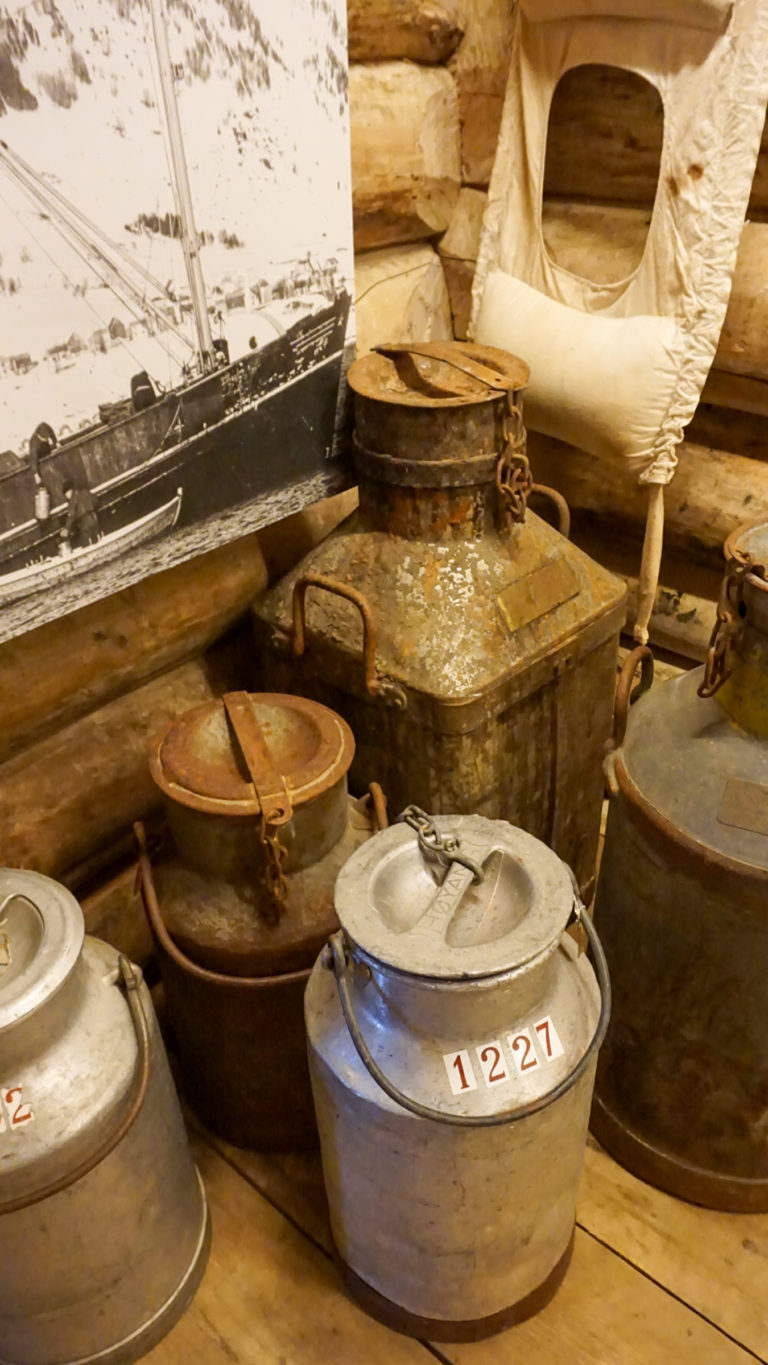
277, 884
513, 472
729, 623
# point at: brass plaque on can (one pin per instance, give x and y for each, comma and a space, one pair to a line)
538, 592
744, 806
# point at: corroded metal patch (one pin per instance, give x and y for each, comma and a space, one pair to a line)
538, 592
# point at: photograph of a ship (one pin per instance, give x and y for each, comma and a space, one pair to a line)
175, 283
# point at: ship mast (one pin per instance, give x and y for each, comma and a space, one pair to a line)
190, 240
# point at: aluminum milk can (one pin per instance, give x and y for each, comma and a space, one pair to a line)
103, 1220
681, 1096
470, 646
453, 1032
255, 789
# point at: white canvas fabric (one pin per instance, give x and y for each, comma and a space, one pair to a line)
660, 326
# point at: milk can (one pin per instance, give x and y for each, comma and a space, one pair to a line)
103, 1220
681, 1096
255, 789
453, 1031
470, 646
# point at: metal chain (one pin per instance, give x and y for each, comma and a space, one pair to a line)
277, 884
514, 480
729, 623
443, 847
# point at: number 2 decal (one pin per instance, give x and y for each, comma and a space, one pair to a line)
17, 1111
523, 1051
492, 1063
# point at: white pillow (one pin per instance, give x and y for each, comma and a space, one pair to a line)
601, 383
709, 14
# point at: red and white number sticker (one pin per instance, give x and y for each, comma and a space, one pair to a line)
523, 1051
460, 1073
17, 1112
492, 1064
549, 1040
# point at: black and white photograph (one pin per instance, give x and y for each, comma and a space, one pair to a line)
175, 283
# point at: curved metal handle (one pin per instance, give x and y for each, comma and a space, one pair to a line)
336, 957
379, 806
131, 980
560, 504
377, 685
643, 656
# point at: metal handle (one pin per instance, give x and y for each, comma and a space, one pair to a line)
560, 504
336, 957
131, 980
268, 783
643, 656
377, 685
379, 806
453, 356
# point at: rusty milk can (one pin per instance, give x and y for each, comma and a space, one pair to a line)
103, 1219
255, 789
470, 646
681, 1096
453, 1032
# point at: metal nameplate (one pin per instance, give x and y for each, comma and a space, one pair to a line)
744, 806
538, 592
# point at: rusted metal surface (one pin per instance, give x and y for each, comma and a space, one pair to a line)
681, 909
505, 714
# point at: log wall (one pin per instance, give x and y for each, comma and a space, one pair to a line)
80, 698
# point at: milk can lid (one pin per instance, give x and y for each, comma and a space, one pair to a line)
41, 937
407, 909
247, 751
437, 374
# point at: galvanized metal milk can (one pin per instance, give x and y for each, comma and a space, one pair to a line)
453, 1032
682, 905
103, 1220
255, 789
470, 646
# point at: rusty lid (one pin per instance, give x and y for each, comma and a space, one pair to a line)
437, 374
252, 752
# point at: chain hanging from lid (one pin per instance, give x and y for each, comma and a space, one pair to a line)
729, 623
443, 847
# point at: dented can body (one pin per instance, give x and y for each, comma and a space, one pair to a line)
472, 654
452, 1051
681, 1096
103, 1217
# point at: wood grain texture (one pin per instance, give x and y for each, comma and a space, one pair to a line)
713, 491
77, 663
82, 787
458, 253
405, 151
604, 140
269, 1297
114, 912
480, 66
716, 1262
421, 30
400, 295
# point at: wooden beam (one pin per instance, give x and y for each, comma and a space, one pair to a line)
82, 787
114, 912
713, 491
68, 667
421, 30
400, 295
604, 141
480, 67
405, 152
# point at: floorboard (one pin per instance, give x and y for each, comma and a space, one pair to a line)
653, 1281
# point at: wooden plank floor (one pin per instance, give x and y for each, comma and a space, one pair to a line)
652, 1280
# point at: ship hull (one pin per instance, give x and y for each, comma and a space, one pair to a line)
258, 424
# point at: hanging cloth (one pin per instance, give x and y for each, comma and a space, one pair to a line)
618, 369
